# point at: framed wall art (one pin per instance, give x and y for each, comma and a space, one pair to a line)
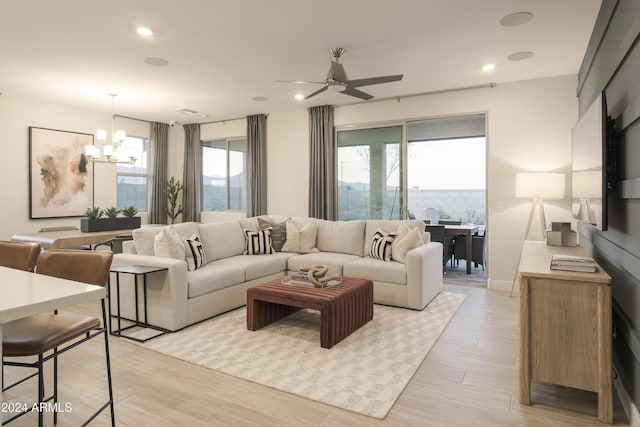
60, 175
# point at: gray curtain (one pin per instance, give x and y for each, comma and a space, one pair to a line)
158, 158
257, 165
322, 156
192, 175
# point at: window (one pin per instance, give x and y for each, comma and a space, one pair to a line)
224, 165
133, 178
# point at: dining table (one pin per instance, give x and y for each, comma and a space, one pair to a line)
467, 230
23, 294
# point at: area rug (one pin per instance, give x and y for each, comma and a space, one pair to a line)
365, 373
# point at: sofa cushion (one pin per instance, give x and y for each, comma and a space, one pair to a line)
376, 270
381, 245
332, 260
143, 237
258, 242
194, 253
256, 266
221, 239
250, 223
168, 243
406, 239
301, 239
278, 232
345, 237
213, 277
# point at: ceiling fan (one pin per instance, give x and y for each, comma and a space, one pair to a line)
338, 77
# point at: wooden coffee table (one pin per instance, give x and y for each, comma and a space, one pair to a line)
343, 308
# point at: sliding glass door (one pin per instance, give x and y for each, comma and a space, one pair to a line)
437, 172
446, 169
369, 173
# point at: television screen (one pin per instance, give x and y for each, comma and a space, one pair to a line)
588, 171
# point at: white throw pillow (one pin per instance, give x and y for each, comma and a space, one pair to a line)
381, 245
406, 240
302, 240
168, 244
194, 253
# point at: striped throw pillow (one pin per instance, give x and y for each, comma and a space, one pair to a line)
194, 253
381, 245
258, 242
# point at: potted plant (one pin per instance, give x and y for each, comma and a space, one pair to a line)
94, 219
173, 190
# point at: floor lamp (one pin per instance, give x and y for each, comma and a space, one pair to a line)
538, 186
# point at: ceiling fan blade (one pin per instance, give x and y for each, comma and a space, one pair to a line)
322, 89
299, 81
375, 80
337, 73
357, 93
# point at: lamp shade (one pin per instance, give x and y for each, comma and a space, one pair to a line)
546, 185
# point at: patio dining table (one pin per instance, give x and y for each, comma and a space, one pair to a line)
468, 231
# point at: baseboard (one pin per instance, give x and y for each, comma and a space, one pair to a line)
629, 406
500, 285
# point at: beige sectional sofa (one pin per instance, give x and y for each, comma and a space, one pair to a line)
179, 297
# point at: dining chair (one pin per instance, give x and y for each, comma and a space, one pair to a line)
19, 255
41, 333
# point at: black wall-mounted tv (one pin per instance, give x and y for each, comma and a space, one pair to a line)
590, 159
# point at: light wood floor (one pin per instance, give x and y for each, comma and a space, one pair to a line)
470, 378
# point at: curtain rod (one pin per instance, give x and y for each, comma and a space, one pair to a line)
131, 118
227, 120
413, 95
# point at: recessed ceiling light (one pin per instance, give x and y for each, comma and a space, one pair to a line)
144, 31
156, 62
488, 67
520, 56
299, 96
515, 19
189, 111
260, 98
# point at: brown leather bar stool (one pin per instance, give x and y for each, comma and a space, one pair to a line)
39, 334
19, 255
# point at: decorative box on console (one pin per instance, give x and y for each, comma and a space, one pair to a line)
561, 234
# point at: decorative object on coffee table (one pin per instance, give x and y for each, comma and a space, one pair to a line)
318, 275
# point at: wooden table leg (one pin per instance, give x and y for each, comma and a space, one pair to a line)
469, 244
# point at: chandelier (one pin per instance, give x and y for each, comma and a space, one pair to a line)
110, 149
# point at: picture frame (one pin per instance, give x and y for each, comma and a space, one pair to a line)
60, 174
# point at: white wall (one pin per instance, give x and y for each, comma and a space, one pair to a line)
17, 114
529, 129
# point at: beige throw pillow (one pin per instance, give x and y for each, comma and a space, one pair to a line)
168, 244
406, 240
301, 241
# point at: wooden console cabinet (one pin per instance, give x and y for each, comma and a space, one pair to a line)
565, 326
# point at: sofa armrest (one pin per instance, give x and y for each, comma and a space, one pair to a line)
166, 291
424, 274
